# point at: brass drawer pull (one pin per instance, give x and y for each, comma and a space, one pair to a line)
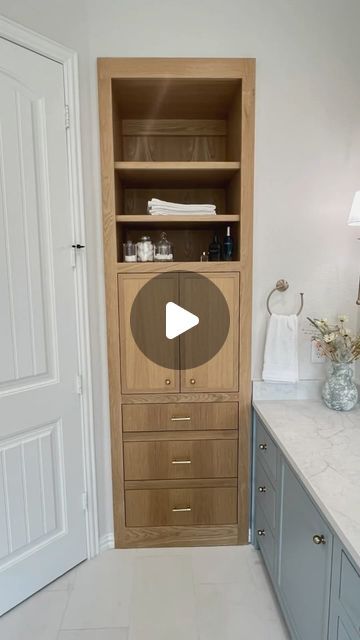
181, 462
192, 381
167, 381
319, 539
180, 419
177, 509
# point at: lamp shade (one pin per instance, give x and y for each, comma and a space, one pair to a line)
354, 217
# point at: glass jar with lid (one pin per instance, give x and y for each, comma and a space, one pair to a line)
163, 249
129, 248
145, 249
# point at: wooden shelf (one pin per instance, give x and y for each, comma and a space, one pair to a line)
163, 267
189, 173
170, 219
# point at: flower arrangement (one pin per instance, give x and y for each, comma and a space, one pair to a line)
335, 341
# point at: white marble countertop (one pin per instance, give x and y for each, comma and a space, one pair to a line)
323, 446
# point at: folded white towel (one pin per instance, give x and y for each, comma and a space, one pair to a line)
161, 207
281, 349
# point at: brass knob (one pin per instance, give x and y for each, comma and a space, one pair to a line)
263, 446
167, 381
319, 539
192, 381
261, 532
262, 489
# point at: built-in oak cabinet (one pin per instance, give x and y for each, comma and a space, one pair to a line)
141, 375
181, 130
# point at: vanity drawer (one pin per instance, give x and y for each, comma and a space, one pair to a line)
174, 459
349, 590
163, 507
265, 495
266, 450
180, 416
265, 539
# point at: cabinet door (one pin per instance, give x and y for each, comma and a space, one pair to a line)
139, 374
304, 566
220, 373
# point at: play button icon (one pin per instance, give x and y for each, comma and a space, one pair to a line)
178, 320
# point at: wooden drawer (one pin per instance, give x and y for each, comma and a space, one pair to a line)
162, 507
265, 539
266, 450
349, 591
265, 495
174, 417
173, 459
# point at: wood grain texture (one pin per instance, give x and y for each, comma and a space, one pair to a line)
161, 221
158, 267
174, 148
170, 174
174, 127
222, 371
161, 507
173, 417
138, 373
180, 484
110, 259
148, 436
179, 398
159, 460
246, 252
142, 537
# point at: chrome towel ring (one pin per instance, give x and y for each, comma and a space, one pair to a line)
283, 285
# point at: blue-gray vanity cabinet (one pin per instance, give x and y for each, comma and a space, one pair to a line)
304, 557
345, 597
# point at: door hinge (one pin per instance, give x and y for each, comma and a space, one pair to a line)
84, 500
67, 116
79, 384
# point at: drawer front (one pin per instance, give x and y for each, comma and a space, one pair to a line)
349, 592
266, 450
265, 494
265, 539
175, 417
182, 507
169, 460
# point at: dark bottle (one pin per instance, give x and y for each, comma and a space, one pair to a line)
228, 245
215, 250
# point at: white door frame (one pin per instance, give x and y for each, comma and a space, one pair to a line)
69, 60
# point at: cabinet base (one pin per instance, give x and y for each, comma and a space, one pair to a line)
137, 537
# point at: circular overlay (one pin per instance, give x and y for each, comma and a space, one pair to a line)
194, 293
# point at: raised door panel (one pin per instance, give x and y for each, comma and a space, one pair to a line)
221, 372
304, 566
139, 374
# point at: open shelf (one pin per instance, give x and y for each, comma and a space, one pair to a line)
181, 219
177, 173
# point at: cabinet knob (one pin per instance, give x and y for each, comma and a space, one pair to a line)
319, 539
261, 532
263, 446
262, 489
167, 381
192, 381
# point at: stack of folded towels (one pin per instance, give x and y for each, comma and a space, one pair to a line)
161, 208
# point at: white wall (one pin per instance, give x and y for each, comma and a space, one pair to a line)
307, 162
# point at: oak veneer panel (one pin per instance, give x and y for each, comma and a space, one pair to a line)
155, 507
172, 148
174, 416
150, 436
178, 536
138, 373
194, 483
175, 127
180, 459
221, 373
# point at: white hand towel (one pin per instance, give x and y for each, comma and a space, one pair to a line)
281, 349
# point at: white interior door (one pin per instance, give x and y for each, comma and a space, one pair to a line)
42, 520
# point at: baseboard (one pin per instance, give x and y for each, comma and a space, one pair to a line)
107, 542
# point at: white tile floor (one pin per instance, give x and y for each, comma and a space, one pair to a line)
218, 593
